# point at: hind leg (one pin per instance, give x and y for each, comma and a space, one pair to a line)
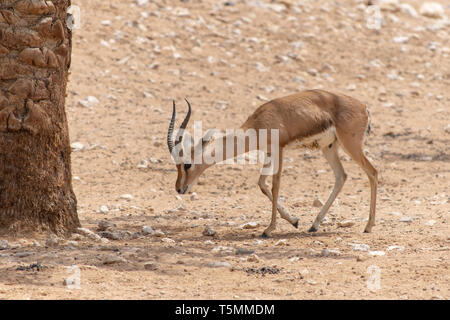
332, 156
352, 145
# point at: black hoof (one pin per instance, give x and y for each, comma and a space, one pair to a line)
312, 229
296, 224
265, 236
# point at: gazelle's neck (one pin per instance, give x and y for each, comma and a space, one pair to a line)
229, 146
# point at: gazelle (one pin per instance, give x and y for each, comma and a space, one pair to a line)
314, 119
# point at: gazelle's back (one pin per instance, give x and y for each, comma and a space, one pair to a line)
309, 113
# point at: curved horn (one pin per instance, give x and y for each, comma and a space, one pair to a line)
184, 124
170, 132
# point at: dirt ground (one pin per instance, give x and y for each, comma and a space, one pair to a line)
132, 58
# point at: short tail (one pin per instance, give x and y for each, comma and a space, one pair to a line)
368, 129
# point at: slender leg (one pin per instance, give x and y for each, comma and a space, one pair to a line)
275, 189
332, 156
353, 147
283, 213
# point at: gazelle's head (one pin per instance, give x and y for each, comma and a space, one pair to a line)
188, 172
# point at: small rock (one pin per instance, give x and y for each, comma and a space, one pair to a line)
281, 242
447, 128
219, 264
399, 248
126, 196
115, 235
159, 233
317, 203
345, 224
377, 253
250, 225
253, 258
104, 209
406, 219
143, 164
148, 230
22, 254
330, 252
105, 225
361, 258
210, 232
51, 242
150, 266
76, 146
408, 9
112, 259
242, 251
432, 10
4, 244
430, 222
167, 240
222, 249
88, 233
194, 196
361, 247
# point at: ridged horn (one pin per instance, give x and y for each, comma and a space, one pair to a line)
184, 124
170, 132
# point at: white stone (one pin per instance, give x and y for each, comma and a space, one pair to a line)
377, 253
432, 10
408, 9
361, 247
104, 209
76, 146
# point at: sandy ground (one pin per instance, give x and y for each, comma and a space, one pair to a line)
228, 59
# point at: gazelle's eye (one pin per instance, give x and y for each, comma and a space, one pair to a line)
187, 166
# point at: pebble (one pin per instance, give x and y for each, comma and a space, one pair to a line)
242, 251
126, 196
115, 235
249, 225
150, 266
399, 248
432, 10
148, 230
209, 232
219, 264
4, 244
281, 242
51, 242
345, 224
88, 233
377, 253
253, 258
194, 196
22, 254
361, 247
406, 219
112, 259
430, 222
104, 225
159, 233
317, 203
330, 252
167, 240
76, 146
104, 209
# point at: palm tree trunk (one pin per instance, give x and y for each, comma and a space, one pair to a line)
35, 171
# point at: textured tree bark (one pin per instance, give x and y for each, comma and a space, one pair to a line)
35, 171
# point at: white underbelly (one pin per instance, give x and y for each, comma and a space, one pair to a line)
317, 141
